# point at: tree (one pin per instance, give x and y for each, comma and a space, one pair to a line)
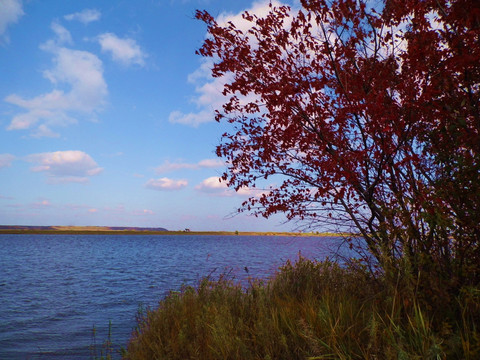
364, 117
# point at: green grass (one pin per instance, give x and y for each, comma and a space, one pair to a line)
309, 310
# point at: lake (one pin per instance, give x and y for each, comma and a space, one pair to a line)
54, 289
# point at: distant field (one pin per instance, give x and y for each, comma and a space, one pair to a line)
14, 229
8, 229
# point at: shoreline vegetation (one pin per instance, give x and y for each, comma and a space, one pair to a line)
105, 230
307, 310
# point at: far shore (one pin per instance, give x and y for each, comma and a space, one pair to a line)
101, 230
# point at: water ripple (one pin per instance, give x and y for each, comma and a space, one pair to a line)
55, 288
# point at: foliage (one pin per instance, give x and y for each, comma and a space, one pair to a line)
362, 118
309, 310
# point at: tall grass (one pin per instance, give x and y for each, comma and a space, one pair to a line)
308, 310
105, 350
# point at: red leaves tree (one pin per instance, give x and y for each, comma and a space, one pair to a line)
365, 118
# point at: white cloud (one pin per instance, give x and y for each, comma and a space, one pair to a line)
193, 119
125, 51
259, 8
44, 131
167, 166
166, 184
249, 192
6, 160
65, 166
85, 16
211, 163
209, 97
63, 35
209, 90
213, 185
79, 88
203, 72
10, 12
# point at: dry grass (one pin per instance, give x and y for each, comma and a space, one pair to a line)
309, 310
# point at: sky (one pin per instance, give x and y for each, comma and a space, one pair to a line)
106, 116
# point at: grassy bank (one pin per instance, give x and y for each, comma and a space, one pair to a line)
309, 310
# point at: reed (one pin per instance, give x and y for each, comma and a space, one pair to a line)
105, 350
308, 310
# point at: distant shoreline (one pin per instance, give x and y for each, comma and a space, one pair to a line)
103, 230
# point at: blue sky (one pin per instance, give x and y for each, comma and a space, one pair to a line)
106, 116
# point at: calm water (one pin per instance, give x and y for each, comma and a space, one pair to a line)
55, 288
